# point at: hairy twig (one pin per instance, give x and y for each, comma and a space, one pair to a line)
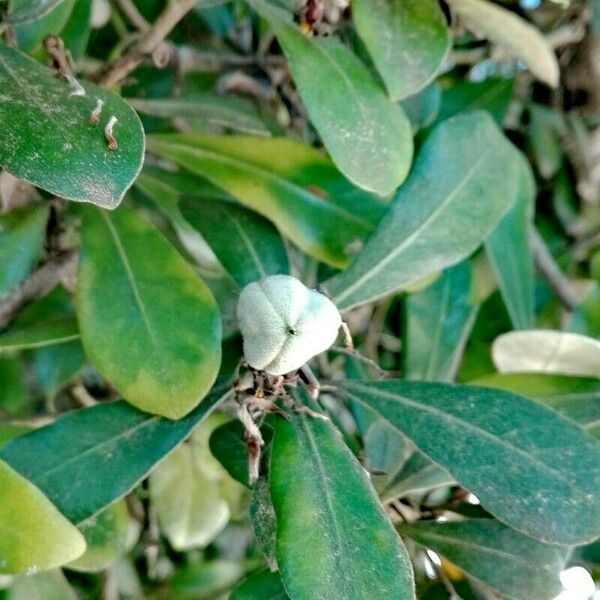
119, 68
38, 284
550, 271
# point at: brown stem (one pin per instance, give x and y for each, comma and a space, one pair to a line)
37, 285
119, 68
550, 271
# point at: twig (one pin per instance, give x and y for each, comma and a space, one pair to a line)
362, 358
118, 69
550, 271
134, 16
37, 285
190, 60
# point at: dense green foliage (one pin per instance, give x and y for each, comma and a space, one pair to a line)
431, 166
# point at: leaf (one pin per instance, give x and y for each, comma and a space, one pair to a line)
22, 235
438, 216
14, 396
134, 286
575, 397
31, 33
56, 365
547, 351
508, 249
37, 336
544, 140
215, 110
9, 431
512, 33
46, 137
205, 580
423, 108
492, 95
517, 566
264, 522
89, 458
334, 539
408, 41
289, 183
246, 244
107, 535
50, 585
529, 466
417, 475
34, 535
367, 135
21, 11
228, 446
190, 509
261, 585
445, 305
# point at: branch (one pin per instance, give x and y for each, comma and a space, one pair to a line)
37, 285
550, 271
118, 69
135, 17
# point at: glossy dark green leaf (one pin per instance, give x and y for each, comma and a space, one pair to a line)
246, 244
38, 336
407, 39
262, 585
334, 539
22, 234
89, 458
509, 251
46, 137
148, 322
437, 217
76, 31
531, 468
367, 135
35, 536
291, 184
517, 566
214, 110
438, 322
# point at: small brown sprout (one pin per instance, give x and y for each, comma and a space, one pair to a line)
95, 114
108, 132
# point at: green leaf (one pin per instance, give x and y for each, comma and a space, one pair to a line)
39, 335
9, 431
512, 33
50, 585
34, 535
334, 539
530, 467
423, 108
575, 397
76, 32
508, 249
21, 11
438, 322
264, 522
407, 39
14, 396
289, 183
190, 509
89, 458
46, 137
22, 235
367, 135
148, 322
246, 244
107, 535
437, 217
31, 33
547, 351
261, 585
205, 580
517, 566
214, 110
418, 474
492, 95
544, 140
55, 366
